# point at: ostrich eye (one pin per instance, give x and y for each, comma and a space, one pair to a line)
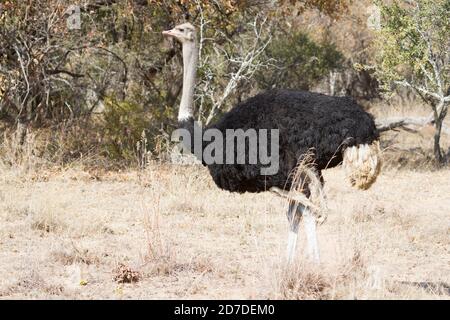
181, 30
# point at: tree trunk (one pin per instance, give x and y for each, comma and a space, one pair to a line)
21, 131
437, 139
440, 111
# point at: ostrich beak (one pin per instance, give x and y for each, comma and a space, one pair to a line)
168, 33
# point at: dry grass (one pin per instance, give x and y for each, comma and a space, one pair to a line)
305, 180
177, 236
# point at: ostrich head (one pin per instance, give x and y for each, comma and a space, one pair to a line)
184, 33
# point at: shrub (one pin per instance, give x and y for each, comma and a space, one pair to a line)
123, 125
299, 62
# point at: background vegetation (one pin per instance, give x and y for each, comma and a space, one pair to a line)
96, 92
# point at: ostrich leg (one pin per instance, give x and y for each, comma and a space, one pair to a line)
294, 217
297, 209
295, 214
311, 235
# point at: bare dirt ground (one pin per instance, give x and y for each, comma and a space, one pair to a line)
173, 234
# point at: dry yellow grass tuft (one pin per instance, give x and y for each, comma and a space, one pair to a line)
305, 178
302, 282
125, 274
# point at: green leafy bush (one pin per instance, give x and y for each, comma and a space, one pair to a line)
123, 124
299, 62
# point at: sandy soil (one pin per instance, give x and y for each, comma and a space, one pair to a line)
175, 235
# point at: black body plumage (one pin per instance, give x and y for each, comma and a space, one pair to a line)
307, 122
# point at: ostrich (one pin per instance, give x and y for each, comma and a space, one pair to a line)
335, 129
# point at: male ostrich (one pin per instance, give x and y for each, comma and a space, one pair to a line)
334, 129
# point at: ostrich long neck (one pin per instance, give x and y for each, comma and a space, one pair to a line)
190, 58
186, 111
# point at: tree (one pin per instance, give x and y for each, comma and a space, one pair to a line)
414, 52
233, 37
115, 64
299, 62
46, 70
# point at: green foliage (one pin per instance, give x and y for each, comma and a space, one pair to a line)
332, 8
123, 124
299, 62
414, 43
411, 36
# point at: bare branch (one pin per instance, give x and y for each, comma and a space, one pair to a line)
405, 123
25, 75
398, 122
419, 89
247, 63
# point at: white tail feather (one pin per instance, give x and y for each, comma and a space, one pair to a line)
362, 164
